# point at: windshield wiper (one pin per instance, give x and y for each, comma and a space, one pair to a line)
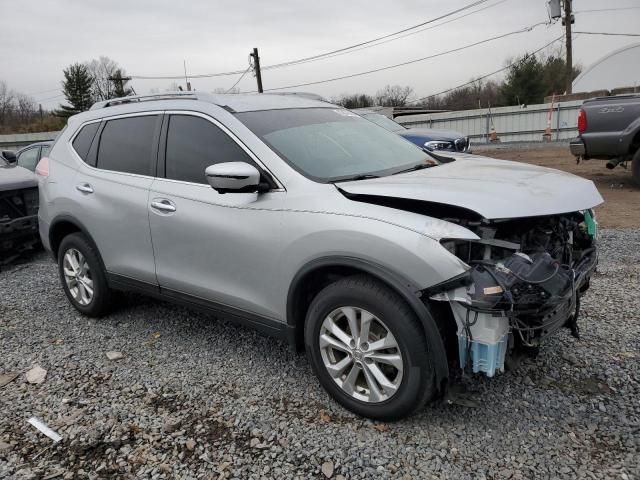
419, 166
356, 177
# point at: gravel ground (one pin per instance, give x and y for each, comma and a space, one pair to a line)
196, 397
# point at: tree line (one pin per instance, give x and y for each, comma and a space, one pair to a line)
19, 113
83, 84
528, 81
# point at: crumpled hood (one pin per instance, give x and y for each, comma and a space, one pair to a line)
431, 134
492, 188
15, 178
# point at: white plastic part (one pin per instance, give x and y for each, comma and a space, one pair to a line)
487, 344
40, 425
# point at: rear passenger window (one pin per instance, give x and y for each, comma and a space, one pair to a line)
82, 142
193, 144
126, 145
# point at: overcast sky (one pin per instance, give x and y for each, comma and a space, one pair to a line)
153, 37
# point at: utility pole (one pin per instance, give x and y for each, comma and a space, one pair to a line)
186, 79
256, 66
568, 20
119, 82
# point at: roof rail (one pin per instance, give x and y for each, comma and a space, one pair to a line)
144, 98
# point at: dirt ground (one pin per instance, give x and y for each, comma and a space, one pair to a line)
622, 198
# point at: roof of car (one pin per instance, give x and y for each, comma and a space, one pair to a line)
37, 144
232, 102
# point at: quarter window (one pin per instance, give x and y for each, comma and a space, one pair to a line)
193, 144
82, 142
126, 145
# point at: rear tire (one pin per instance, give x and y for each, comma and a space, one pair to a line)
386, 373
82, 276
635, 167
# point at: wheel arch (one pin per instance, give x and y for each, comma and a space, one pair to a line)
64, 225
316, 274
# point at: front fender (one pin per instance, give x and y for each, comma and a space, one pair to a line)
401, 285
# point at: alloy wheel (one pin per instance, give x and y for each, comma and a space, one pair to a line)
361, 354
77, 276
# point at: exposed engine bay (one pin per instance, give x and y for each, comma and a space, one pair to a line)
525, 280
18, 222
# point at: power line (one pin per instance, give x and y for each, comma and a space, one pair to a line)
606, 9
44, 91
241, 77
401, 36
318, 56
50, 98
611, 34
351, 47
526, 57
388, 67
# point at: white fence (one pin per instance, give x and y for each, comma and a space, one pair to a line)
512, 124
16, 141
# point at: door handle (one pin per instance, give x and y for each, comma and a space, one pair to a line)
163, 205
84, 188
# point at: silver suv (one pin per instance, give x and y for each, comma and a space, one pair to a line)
391, 267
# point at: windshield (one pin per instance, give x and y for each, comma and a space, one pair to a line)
384, 122
327, 144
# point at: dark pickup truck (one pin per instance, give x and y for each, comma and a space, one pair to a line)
609, 129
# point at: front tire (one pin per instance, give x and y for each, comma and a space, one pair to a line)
368, 349
82, 276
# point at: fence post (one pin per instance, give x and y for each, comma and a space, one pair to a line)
558, 123
486, 117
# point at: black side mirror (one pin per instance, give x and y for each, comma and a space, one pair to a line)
9, 156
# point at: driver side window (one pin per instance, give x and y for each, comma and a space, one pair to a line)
193, 144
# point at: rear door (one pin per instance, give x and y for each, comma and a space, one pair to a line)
209, 246
112, 188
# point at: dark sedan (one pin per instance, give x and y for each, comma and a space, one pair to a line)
427, 138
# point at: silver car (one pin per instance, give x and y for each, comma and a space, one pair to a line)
392, 268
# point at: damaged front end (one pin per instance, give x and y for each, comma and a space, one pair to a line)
18, 222
524, 282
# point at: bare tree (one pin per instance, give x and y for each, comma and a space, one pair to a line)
478, 94
26, 108
226, 90
19, 113
6, 102
355, 100
393, 96
102, 70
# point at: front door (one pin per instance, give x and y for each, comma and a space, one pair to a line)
214, 247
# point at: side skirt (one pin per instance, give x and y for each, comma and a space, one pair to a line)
264, 325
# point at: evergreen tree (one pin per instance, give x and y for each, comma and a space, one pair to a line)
554, 74
77, 90
524, 83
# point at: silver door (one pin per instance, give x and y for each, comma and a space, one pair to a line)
111, 197
113, 208
221, 248
217, 247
